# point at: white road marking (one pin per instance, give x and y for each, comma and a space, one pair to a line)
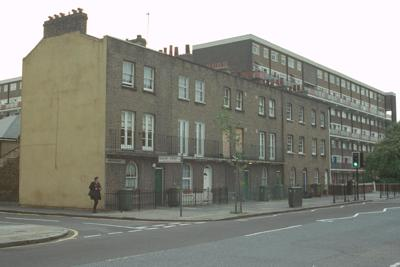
89, 236
27, 219
115, 233
199, 222
113, 225
312, 210
151, 228
184, 224
357, 214
134, 231
342, 206
169, 226
158, 225
74, 235
274, 230
397, 264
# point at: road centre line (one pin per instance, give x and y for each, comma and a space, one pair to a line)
89, 236
357, 214
28, 219
274, 230
115, 233
134, 231
119, 226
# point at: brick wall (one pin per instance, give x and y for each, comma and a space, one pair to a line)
9, 180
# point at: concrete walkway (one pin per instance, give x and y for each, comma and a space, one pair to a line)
23, 234
199, 213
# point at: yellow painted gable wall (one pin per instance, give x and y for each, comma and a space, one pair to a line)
63, 121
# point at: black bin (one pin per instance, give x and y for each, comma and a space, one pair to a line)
295, 197
125, 199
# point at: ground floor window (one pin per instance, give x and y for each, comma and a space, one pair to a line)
292, 179
264, 177
131, 176
187, 177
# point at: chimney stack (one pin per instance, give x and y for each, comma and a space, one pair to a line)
187, 49
165, 50
176, 51
61, 24
139, 41
170, 50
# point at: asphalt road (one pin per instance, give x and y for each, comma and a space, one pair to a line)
355, 235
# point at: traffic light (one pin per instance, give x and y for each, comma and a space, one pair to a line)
356, 160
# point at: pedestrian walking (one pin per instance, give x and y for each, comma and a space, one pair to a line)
94, 192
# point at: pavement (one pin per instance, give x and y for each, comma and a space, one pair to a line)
14, 235
17, 235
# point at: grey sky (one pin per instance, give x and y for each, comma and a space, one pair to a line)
358, 38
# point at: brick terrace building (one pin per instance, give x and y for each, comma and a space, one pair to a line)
109, 108
358, 113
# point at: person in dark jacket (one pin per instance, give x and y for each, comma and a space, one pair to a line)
94, 192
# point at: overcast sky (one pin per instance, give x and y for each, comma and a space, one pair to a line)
358, 38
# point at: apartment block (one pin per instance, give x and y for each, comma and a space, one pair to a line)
10, 96
111, 108
358, 113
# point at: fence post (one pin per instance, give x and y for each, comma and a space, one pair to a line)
380, 190
387, 191
364, 190
333, 192
140, 199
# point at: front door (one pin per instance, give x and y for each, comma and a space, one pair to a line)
158, 186
207, 178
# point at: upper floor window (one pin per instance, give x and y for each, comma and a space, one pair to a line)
148, 81
261, 154
148, 132
227, 97
322, 147
183, 137
200, 137
301, 114
314, 147
128, 72
272, 145
200, 92
291, 62
256, 49
301, 145
319, 74
283, 60
239, 100
274, 56
183, 88
322, 119
13, 86
325, 76
271, 108
261, 105
289, 111
290, 143
127, 129
313, 118
299, 65
266, 52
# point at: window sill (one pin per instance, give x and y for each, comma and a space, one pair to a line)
290, 152
272, 117
148, 90
128, 86
199, 102
302, 123
302, 154
225, 107
148, 149
289, 120
313, 154
239, 110
261, 115
184, 99
323, 155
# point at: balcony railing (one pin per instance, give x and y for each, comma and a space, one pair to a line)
171, 145
348, 103
10, 106
353, 135
342, 165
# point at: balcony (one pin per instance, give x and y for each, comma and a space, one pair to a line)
268, 79
346, 102
351, 135
170, 145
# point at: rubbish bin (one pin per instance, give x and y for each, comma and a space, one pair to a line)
295, 197
125, 199
173, 197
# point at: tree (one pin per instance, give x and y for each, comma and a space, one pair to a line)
384, 161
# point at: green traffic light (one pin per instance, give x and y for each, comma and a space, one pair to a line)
355, 164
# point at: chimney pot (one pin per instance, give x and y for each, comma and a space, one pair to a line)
165, 50
170, 50
62, 14
74, 11
176, 52
187, 49
80, 10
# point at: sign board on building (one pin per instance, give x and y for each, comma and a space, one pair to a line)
115, 161
169, 159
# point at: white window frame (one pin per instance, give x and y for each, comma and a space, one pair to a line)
131, 175
322, 120
261, 142
227, 97
187, 177
199, 91
200, 138
290, 62
274, 56
239, 100
283, 60
261, 105
301, 144
289, 112
266, 52
183, 87
289, 148
148, 80
299, 67
314, 147
183, 137
272, 146
255, 49
128, 73
271, 108
301, 114
127, 130
148, 132
313, 117
316, 176
322, 147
